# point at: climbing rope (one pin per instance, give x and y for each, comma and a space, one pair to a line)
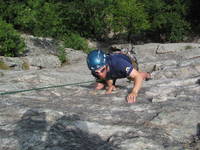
41, 88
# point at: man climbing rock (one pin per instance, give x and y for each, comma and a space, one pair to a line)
108, 68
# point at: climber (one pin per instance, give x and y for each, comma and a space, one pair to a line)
108, 68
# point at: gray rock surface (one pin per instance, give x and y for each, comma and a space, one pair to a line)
38, 45
43, 61
75, 117
40, 53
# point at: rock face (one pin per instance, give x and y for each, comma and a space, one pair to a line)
75, 117
40, 53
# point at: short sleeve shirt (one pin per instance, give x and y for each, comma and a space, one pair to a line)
120, 66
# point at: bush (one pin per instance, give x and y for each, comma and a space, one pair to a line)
129, 16
75, 41
38, 17
48, 22
178, 28
164, 20
167, 19
62, 55
88, 17
11, 44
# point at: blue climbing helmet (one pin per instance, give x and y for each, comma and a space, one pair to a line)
96, 59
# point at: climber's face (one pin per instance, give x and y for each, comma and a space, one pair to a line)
101, 72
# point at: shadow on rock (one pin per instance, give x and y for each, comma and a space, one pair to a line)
198, 82
195, 144
30, 130
198, 130
34, 133
64, 134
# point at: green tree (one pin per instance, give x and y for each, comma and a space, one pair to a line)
35, 17
11, 43
167, 19
75, 41
88, 17
128, 16
48, 21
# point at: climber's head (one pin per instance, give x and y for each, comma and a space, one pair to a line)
96, 59
97, 63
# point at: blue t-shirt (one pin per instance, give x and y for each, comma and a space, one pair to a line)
120, 66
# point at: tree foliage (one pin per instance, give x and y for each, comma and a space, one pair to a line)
36, 17
73, 20
128, 16
167, 19
87, 17
11, 43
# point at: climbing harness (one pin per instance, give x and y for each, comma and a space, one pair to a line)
42, 88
